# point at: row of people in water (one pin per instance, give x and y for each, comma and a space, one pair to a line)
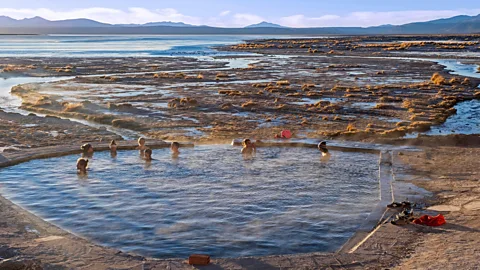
145, 152
248, 149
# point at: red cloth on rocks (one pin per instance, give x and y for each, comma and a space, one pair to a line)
430, 221
286, 134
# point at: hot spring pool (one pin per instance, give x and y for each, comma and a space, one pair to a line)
209, 200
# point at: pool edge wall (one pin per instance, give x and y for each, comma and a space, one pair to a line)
365, 230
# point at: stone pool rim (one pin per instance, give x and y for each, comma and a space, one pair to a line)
364, 231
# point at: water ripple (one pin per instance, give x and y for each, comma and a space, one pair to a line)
208, 201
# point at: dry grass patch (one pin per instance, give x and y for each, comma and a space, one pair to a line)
353, 95
454, 80
322, 103
307, 86
103, 118
221, 75
272, 89
180, 75
185, 102
230, 92
383, 106
129, 123
42, 101
421, 126
466, 81
283, 83
408, 103
259, 85
71, 107
16, 68
402, 124
314, 94
226, 106
390, 99
397, 132
249, 104
351, 127
438, 79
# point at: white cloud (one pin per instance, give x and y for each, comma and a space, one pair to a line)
107, 15
303, 21
134, 15
372, 18
225, 13
228, 19
244, 19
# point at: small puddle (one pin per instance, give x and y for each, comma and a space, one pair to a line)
364, 105
355, 73
390, 120
310, 101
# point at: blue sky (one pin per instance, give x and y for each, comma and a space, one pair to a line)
225, 13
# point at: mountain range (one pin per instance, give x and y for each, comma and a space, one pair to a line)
265, 24
456, 25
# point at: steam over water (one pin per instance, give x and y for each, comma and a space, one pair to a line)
112, 46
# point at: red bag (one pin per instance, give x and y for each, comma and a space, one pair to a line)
430, 221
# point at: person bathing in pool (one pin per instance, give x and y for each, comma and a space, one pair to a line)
113, 148
249, 148
148, 154
87, 150
174, 148
322, 147
82, 165
141, 146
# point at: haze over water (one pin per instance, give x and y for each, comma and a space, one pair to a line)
114, 46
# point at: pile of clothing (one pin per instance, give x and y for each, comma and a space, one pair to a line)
406, 216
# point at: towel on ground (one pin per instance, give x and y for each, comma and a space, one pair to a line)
430, 220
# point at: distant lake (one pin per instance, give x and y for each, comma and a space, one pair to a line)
115, 45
